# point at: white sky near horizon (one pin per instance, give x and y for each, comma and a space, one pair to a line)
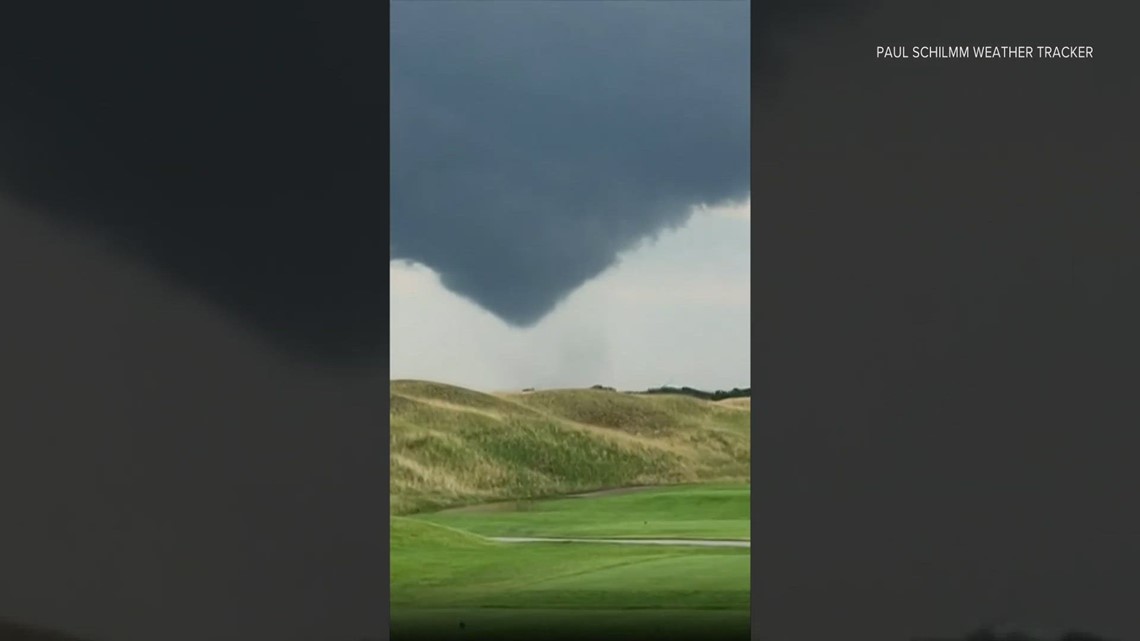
675, 310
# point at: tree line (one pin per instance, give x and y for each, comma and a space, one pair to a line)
718, 395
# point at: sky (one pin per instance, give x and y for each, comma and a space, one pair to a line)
546, 161
673, 310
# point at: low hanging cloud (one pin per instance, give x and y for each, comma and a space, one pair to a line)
533, 142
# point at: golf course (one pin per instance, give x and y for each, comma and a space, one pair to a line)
568, 514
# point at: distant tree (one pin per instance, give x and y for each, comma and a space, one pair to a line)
718, 395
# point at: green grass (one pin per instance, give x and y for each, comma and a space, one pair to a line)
442, 573
510, 460
551, 575
702, 511
414, 534
452, 446
441, 577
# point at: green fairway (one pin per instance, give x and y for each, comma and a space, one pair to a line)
701, 511
444, 574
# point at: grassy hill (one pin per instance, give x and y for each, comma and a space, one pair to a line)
452, 446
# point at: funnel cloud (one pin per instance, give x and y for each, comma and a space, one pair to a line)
533, 142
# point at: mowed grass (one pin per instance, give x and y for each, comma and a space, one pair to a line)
452, 446
695, 512
444, 577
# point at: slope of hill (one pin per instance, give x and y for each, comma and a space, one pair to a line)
742, 403
453, 446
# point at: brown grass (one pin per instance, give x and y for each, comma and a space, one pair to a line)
453, 446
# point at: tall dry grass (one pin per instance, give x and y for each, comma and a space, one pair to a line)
453, 446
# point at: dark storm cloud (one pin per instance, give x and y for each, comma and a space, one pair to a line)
242, 155
531, 142
239, 153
